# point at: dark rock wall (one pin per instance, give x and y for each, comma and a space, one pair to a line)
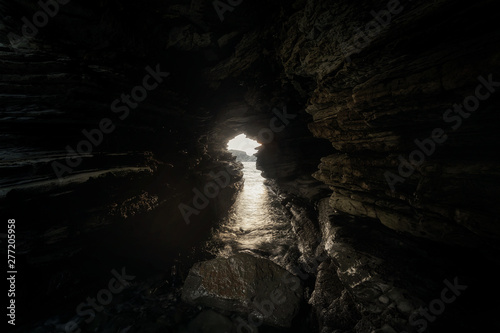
397, 88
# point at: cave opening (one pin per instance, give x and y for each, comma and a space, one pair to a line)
257, 222
243, 144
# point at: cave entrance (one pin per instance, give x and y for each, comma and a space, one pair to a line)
254, 193
257, 222
243, 148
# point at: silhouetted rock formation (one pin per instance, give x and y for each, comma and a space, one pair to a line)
243, 156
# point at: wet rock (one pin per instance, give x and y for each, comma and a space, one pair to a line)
245, 284
305, 229
334, 306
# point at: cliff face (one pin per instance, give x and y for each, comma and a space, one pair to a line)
243, 156
409, 107
377, 119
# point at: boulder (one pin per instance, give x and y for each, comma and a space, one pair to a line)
245, 284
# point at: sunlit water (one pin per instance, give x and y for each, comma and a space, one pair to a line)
257, 222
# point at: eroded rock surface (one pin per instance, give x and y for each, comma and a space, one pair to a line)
246, 284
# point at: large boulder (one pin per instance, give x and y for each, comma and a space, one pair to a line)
247, 285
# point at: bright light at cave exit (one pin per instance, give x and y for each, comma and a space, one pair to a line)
241, 142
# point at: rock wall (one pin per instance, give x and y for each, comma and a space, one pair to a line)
374, 96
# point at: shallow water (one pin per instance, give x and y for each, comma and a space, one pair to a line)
257, 222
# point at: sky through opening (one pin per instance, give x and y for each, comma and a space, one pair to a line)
241, 142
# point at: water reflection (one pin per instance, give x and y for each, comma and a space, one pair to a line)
257, 222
